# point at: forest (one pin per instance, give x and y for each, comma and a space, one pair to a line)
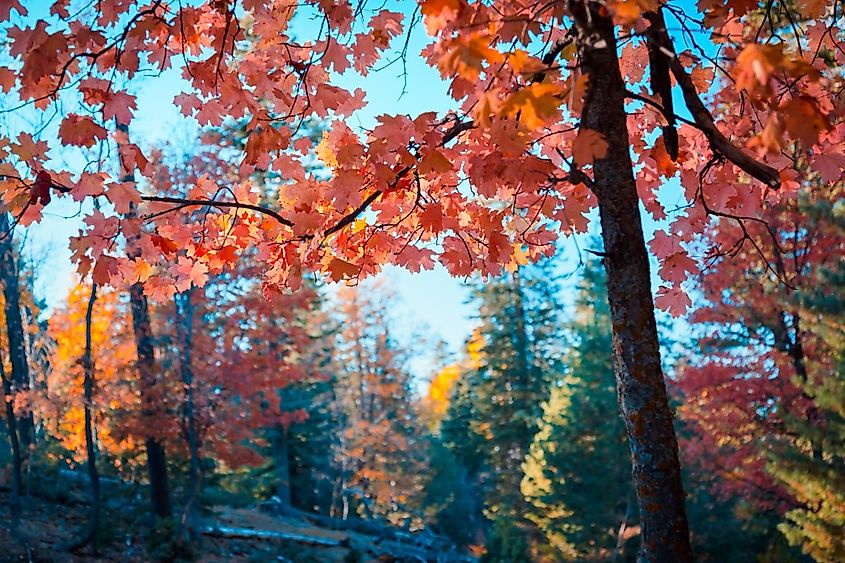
492, 281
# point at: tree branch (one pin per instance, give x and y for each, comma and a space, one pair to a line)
181, 202
702, 116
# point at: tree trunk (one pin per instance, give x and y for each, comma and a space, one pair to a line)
156, 457
14, 445
142, 327
639, 377
281, 454
14, 326
90, 533
185, 327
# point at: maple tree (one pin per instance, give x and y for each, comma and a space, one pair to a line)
761, 400
554, 117
114, 400
377, 449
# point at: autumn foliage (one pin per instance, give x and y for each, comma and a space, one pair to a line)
406, 169
723, 121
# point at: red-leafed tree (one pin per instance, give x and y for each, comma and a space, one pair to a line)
380, 443
763, 392
553, 117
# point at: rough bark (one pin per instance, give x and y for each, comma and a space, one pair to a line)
639, 377
185, 327
14, 327
89, 535
142, 328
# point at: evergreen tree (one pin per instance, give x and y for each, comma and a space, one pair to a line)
495, 407
453, 490
813, 467
578, 472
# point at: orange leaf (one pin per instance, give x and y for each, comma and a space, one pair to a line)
435, 162
770, 139
466, 55
166, 245
438, 13
588, 146
534, 104
662, 160
627, 12
81, 131
341, 269
756, 65
803, 120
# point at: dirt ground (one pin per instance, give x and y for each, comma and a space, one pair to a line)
48, 524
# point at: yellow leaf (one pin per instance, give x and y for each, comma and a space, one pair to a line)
325, 152
466, 56
535, 104
359, 225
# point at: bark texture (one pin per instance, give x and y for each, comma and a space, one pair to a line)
639, 376
281, 453
156, 456
14, 446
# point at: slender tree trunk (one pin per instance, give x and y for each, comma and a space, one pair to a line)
14, 327
789, 340
185, 324
281, 453
639, 376
14, 445
142, 328
90, 533
156, 456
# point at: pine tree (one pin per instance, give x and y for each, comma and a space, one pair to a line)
453, 490
578, 472
813, 468
496, 407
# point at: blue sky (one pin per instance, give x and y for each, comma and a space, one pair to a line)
430, 300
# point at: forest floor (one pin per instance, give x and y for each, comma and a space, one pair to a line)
49, 521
